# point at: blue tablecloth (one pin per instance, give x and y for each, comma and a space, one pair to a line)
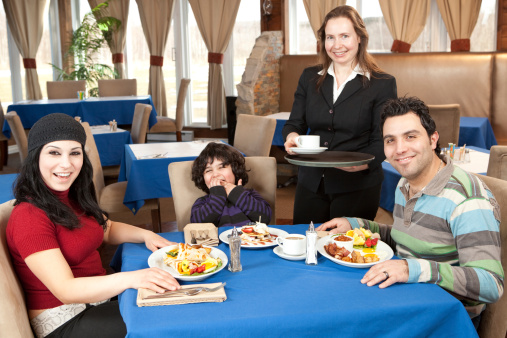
275, 297
391, 179
111, 146
473, 131
6, 182
95, 111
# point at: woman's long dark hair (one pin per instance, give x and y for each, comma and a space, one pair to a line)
30, 188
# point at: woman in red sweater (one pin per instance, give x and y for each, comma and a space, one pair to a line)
54, 232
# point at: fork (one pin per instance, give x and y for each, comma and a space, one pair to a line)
188, 292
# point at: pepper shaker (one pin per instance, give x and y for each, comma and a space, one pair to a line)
311, 245
235, 251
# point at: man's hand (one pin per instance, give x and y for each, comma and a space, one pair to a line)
388, 272
339, 225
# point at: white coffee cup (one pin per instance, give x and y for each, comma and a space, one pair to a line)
308, 141
292, 244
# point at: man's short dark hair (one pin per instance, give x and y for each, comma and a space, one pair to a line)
405, 105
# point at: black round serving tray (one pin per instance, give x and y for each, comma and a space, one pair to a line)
330, 159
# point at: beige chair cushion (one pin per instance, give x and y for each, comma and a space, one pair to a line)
254, 134
140, 122
261, 177
446, 117
164, 125
19, 134
64, 89
13, 315
497, 166
117, 87
494, 318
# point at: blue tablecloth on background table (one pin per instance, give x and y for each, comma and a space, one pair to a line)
476, 131
275, 297
95, 111
6, 182
391, 179
473, 131
111, 146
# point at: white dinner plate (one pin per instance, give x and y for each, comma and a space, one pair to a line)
308, 151
279, 252
382, 250
257, 244
156, 260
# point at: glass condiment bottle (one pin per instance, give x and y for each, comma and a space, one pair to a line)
467, 155
311, 245
235, 251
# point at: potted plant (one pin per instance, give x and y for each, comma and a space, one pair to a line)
94, 33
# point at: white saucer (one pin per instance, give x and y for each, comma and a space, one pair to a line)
308, 151
279, 252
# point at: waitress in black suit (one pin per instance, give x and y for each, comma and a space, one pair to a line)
341, 100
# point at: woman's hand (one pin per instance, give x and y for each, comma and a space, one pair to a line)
229, 186
154, 241
154, 279
290, 142
339, 225
354, 168
388, 272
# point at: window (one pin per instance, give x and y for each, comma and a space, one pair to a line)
434, 37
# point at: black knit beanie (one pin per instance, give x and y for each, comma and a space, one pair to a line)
55, 127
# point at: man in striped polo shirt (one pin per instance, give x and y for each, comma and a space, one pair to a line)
446, 220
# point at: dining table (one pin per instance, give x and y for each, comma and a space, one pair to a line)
479, 159
110, 144
94, 110
145, 168
274, 297
6, 187
473, 131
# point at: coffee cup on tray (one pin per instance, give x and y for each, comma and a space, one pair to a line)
292, 244
308, 141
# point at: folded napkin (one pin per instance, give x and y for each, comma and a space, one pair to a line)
202, 297
204, 234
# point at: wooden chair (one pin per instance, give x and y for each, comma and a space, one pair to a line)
254, 134
64, 89
166, 124
494, 318
4, 154
497, 166
446, 117
117, 87
19, 134
13, 314
140, 122
261, 177
110, 197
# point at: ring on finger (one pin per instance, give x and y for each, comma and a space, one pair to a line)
387, 274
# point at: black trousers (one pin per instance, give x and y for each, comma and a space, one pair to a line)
103, 320
320, 207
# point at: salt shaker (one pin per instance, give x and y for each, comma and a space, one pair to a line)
467, 155
311, 245
235, 251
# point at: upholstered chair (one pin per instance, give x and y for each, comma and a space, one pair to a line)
446, 117
254, 134
19, 134
261, 177
117, 87
64, 89
497, 166
4, 155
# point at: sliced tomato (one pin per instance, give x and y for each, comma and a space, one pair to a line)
192, 271
201, 268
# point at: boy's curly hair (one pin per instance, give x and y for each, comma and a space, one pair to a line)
228, 155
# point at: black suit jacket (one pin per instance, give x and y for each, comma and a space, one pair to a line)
352, 123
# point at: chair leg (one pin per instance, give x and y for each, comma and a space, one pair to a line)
156, 219
4, 155
178, 136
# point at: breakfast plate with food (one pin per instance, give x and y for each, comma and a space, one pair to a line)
187, 262
255, 236
366, 250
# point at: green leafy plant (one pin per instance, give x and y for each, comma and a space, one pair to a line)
95, 33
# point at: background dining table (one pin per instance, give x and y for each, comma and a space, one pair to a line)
94, 110
282, 298
110, 144
6, 185
473, 131
478, 165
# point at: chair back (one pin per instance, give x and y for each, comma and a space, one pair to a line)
261, 177
2, 119
117, 87
13, 314
93, 155
497, 166
180, 104
493, 321
254, 134
446, 117
19, 134
64, 89
140, 122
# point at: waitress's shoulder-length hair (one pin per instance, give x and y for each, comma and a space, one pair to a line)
30, 187
363, 58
